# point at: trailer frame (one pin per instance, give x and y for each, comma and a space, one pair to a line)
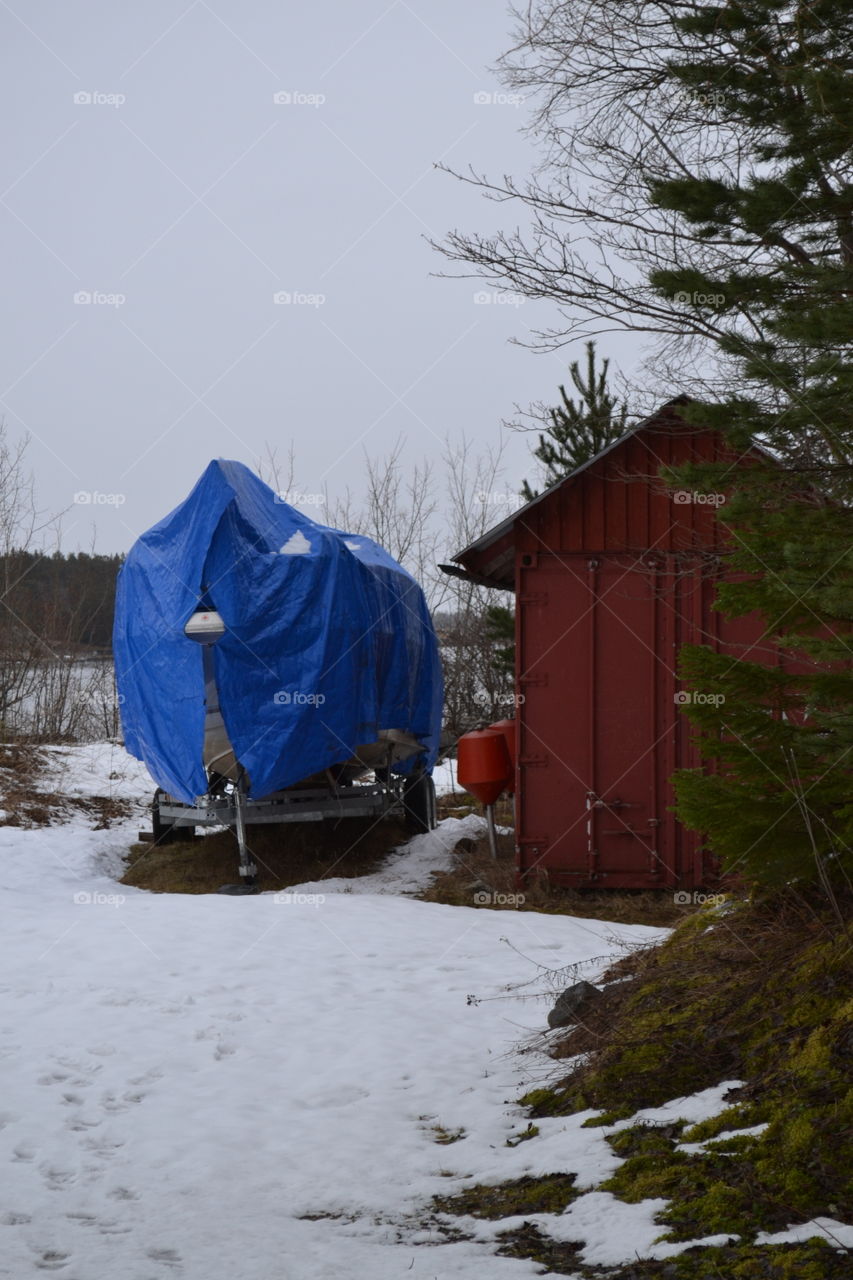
411, 797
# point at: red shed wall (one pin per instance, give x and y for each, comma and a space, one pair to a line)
612, 576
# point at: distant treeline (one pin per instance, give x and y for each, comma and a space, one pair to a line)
65, 600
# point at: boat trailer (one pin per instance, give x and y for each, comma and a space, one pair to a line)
411, 798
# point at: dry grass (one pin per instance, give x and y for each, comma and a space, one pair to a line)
29, 804
727, 974
286, 854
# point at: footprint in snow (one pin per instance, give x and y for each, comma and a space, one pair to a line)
111, 1227
123, 1193
55, 1177
154, 1074
166, 1257
52, 1260
79, 1124
12, 1219
22, 1152
103, 1147
71, 1064
110, 1102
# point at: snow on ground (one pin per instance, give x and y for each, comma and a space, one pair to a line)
206, 1087
444, 775
96, 769
835, 1233
106, 769
193, 1076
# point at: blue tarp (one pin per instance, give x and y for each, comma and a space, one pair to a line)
327, 640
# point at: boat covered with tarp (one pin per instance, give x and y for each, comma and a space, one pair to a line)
254, 644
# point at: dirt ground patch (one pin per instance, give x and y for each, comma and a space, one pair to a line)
477, 880
289, 854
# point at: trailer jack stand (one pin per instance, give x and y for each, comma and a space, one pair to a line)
248, 870
490, 822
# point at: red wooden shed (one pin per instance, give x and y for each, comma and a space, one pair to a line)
613, 572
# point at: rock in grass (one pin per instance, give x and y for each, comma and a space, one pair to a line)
571, 1003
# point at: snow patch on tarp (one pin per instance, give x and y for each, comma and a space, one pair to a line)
298, 545
327, 640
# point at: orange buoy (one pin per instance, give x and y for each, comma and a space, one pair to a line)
509, 729
483, 764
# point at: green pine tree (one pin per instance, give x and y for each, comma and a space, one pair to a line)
777, 803
696, 185
500, 629
578, 430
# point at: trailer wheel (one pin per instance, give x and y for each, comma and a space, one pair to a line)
166, 832
419, 803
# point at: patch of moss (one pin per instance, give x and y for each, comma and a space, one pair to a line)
740, 1116
532, 1131
811, 1260
605, 1118
717, 1001
546, 1102
803, 1155
791, 1034
556, 1256
645, 1139
795, 1170
761, 995
708, 1193
547, 1194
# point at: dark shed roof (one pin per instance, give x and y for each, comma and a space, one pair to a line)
497, 569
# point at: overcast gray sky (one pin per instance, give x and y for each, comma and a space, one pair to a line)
148, 165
